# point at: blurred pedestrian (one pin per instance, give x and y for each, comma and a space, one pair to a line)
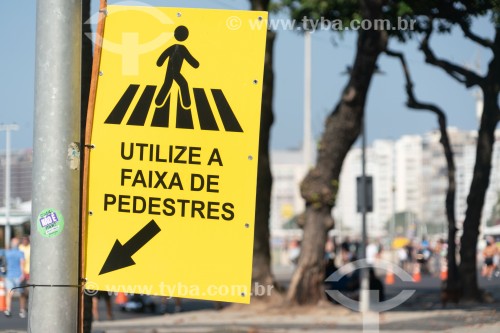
437, 250
330, 267
489, 253
376, 284
372, 252
294, 251
424, 254
410, 250
178, 305
25, 247
345, 248
14, 277
403, 258
95, 304
3, 263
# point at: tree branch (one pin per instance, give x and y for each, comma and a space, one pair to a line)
459, 73
475, 38
452, 280
412, 101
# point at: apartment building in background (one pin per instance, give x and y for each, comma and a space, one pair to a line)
410, 180
288, 169
21, 162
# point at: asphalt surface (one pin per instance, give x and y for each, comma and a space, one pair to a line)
426, 298
422, 313
163, 306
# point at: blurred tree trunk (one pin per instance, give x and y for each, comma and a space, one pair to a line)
319, 188
261, 272
490, 86
481, 175
86, 78
452, 281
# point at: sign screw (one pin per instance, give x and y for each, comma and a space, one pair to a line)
260, 18
247, 225
250, 157
101, 73
91, 213
255, 81
179, 14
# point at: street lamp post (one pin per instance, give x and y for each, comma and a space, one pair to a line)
306, 145
56, 183
365, 284
7, 128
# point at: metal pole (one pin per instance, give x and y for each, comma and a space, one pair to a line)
307, 100
7, 189
55, 223
7, 129
365, 285
393, 190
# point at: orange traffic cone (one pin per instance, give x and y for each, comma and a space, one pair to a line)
389, 277
3, 304
121, 298
444, 272
416, 273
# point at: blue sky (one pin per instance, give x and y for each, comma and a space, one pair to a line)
387, 117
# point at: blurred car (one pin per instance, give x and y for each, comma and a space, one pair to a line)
139, 303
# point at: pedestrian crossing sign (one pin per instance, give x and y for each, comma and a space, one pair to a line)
175, 143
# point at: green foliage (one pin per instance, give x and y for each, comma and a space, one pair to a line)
446, 13
344, 10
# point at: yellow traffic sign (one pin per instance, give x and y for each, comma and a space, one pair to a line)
172, 175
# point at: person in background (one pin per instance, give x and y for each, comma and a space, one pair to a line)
410, 250
178, 304
424, 254
330, 267
3, 263
25, 247
345, 248
95, 304
376, 284
436, 257
372, 253
14, 277
403, 258
294, 251
489, 253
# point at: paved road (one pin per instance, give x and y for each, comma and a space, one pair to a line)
427, 294
15, 323
422, 313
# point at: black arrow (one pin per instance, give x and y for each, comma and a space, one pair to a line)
121, 255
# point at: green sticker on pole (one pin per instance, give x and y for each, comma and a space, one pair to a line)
50, 223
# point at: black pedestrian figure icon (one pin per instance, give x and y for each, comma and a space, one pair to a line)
177, 53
